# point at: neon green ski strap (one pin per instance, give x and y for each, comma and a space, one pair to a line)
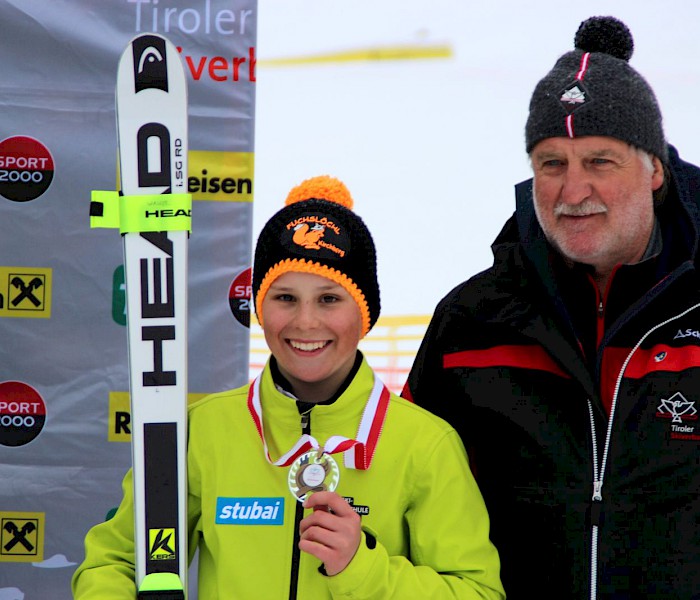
138, 214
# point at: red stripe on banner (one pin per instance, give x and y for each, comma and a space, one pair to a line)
519, 357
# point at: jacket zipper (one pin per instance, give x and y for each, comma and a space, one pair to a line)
298, 516
599, 468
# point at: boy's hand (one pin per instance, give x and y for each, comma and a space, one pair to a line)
331, 532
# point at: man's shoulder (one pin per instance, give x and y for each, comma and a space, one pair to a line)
476, 293
686, 174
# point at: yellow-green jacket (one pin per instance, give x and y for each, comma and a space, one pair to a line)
426, 527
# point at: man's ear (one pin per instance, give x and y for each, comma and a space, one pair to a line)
657, 177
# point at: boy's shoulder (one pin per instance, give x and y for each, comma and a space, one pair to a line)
220, 403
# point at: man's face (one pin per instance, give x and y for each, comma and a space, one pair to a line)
593, 198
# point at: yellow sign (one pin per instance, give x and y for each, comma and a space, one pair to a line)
25, 292
222, 176
119, 419
21, 537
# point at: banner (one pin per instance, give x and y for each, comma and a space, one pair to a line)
64, 401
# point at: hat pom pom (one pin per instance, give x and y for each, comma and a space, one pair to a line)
322, 187
607, 35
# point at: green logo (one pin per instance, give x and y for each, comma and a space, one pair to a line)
119, 296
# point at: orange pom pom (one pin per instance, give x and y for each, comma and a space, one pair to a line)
323, 187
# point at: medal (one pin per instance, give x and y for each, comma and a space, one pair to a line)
312, 468
313, 471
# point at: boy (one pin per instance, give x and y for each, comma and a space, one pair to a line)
315, 481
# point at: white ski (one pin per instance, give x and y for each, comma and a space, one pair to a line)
151, 103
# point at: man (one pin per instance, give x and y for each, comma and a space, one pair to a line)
571, 367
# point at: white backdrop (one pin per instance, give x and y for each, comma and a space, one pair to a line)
431, 149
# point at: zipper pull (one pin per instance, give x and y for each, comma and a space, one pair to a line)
305, 420
597, 487
596, 504
600, 308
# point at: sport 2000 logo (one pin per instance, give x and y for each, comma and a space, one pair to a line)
22, 413
26, 168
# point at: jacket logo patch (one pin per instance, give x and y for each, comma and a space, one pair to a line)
681, 411
249, 511
358, 508
687, 333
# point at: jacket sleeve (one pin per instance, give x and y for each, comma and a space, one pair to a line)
108, 571
426, 367
428, 373
451, 556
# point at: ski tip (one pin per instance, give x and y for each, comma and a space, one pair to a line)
161, 586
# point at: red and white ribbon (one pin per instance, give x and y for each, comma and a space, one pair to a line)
358, 452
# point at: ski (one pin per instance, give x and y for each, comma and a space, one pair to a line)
151, 106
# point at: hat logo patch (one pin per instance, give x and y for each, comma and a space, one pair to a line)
308, 237
308, 232
574, 96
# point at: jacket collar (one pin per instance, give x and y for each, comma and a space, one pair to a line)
341, 416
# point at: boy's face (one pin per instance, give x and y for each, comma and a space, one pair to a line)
312, 327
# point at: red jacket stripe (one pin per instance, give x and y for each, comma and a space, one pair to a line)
519, 357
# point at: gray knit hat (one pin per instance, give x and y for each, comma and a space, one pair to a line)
594, 91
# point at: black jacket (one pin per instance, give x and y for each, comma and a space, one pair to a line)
522, 360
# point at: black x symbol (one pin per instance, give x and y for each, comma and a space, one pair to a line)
26, 290
20, 535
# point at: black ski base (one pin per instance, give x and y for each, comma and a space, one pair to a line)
162, 595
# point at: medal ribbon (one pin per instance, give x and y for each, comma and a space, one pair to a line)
358, 452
